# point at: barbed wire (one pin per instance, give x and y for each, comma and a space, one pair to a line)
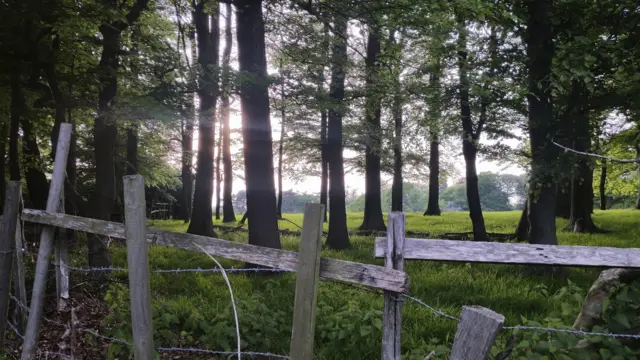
164, 271
569, 331
433, 310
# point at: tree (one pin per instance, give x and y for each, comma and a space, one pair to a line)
435, 99
227, 207
338, 237
208, 44
397, 188
256, 125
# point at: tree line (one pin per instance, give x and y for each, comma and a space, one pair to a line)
378, 88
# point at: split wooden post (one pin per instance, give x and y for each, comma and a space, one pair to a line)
138, 259
62, 263
19, 284
30, 344
392, 313
307, 279
7, 249
476, 333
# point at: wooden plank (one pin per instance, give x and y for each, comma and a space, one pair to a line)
331, 269
7, 249
476, 333
307, 278
19, 282
30, 344
62, 263
392, 310
138, 261
510, 253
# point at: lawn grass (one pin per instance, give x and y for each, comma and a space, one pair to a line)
194, 308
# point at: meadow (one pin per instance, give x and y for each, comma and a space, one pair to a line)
194, 309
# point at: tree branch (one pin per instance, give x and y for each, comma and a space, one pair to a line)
622, 161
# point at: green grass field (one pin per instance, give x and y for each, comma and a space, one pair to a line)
193, 309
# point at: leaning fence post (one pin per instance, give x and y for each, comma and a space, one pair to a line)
138, 259
7, 248
392, 313
476, 333
62, 263
307, 278
19, 283
30, 344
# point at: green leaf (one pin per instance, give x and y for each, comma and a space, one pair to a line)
623, 320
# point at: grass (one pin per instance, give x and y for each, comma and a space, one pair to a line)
194, 308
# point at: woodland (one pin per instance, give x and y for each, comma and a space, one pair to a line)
199, 96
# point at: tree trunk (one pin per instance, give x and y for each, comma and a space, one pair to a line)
3, 154
280, 156
469, 139
522, 231
563, 196
256, 125
338, 237
603, 185
373, 219
17, 111
208, 42
433, 207
132, 149
37, 184
105, 133
324, 177
396, 187
228, 214
638, 166
186, 201
219, 173
540, 50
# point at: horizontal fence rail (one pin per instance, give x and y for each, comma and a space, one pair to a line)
511, 253
330, 269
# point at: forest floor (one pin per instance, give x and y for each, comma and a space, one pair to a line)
193, 309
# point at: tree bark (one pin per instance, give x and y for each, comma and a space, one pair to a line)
17, 111
373, 195
3, 154
132, 149
324, 177
228, 214
186, 202
338, 237
37, 184
256, 125
603, 185
522, 231
638, 167
60, 106
219, 173
433, 207
280, 156
208, 43
396, 187
540, 50
563, 196
470, 139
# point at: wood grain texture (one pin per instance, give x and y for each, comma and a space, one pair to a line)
307, 279
138, 261
392, 310
30, 344
330, 269
19, 282
476, 333
62, 263
510, 253
7, 247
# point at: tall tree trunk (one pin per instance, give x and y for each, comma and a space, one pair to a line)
582, 180
17, 110
219, 173
3, 154
228, 214
373, 219
208, 43
37, 184
563, 196
396, 187
603, 185
280, 157
256, 126
522, 231
338, 237
132, 149
324, 177
186, 201
540, 50
470, 139
433, 207
105, 132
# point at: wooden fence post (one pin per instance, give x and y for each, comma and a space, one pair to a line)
392, 313
307, 278
62, 261
30, 344
7, 248
138, 260
476, 333
19, 284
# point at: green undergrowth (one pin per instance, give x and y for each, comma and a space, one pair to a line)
194, 309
